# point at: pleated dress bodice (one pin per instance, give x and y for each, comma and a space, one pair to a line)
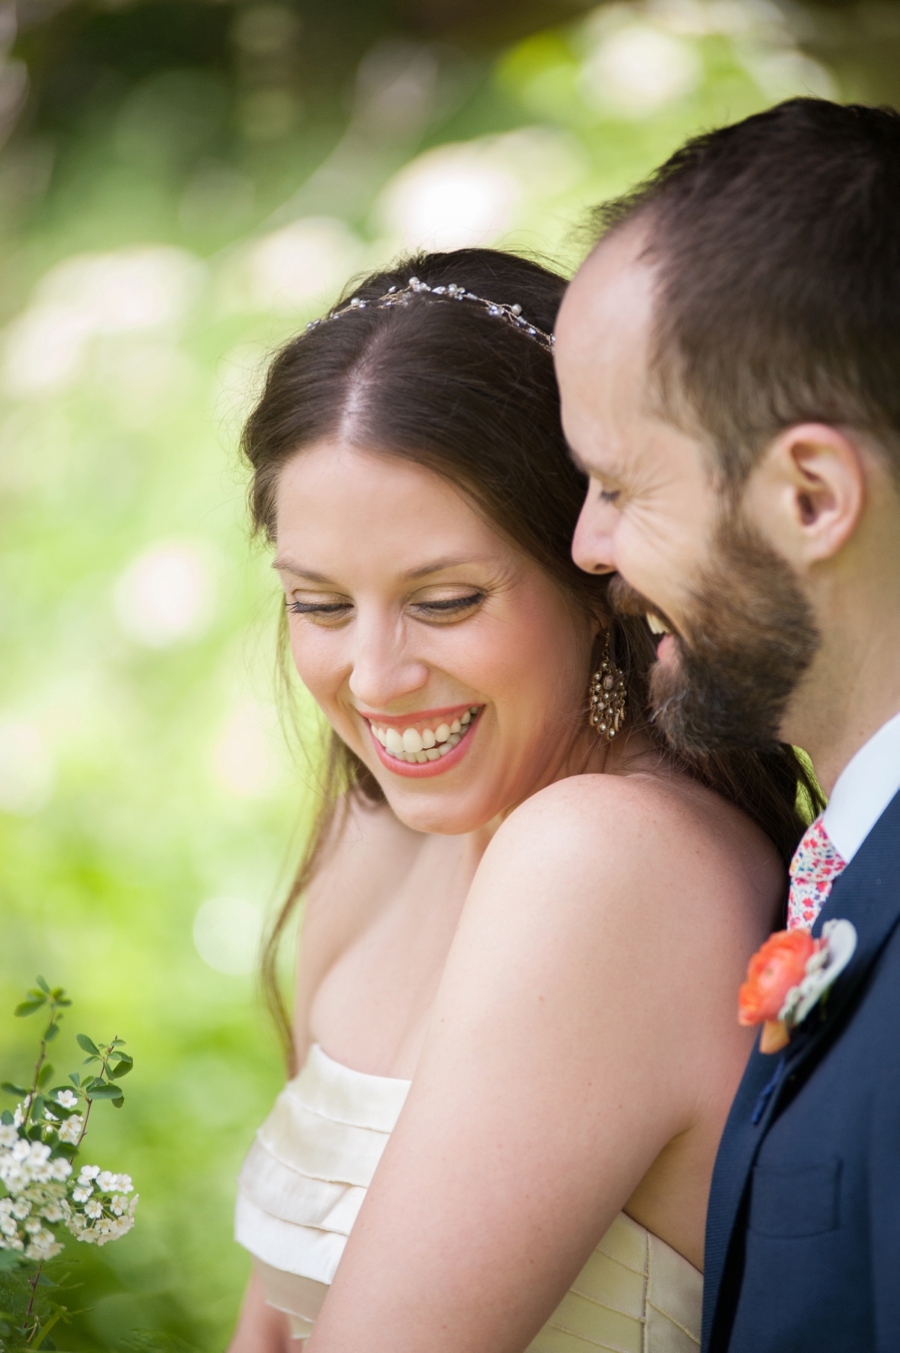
305, 1179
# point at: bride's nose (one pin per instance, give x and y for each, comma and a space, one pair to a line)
384, 670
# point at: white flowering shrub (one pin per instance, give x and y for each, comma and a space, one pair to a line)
44, 1192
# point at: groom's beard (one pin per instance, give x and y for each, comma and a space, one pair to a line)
745, 645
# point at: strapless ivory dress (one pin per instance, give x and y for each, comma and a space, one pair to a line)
306, 1176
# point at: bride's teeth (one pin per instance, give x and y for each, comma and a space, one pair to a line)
412, 741
420, 747
656, 625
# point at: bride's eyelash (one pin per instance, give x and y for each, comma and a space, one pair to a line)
316, 607
451, 604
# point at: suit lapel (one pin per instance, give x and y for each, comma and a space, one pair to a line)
868, 894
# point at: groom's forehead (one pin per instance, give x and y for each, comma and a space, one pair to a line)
610, 301
603, 351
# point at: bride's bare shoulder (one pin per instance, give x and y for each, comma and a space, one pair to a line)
631, 837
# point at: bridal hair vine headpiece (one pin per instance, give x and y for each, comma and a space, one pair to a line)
510, 314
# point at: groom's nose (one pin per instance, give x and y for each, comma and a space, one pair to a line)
592, 545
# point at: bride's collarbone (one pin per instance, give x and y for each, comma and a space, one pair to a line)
371, 1005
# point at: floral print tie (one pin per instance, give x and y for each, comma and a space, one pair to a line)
814, 868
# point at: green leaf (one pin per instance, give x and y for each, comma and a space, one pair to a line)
29, 1007
50, 1032
6, 1118
43, 986
12, 1089
87, 1043
101, 1091
45, 1073
124, 1066
74, 1077
37, 1108
117, 1103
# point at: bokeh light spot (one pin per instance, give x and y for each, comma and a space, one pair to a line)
638, 69
226, 934
165, 596
27, 769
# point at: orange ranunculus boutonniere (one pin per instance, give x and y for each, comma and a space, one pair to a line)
789, 975
779, 965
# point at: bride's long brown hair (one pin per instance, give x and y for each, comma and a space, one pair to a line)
450, 387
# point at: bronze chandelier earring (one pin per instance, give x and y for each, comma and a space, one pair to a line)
607, 698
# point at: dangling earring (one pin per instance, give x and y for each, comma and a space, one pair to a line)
608, 698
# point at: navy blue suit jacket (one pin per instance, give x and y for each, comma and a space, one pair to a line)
803, 1232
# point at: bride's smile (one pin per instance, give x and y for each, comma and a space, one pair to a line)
423, 744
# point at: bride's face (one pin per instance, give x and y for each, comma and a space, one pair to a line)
445, 658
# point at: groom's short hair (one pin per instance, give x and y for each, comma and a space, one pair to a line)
777, 242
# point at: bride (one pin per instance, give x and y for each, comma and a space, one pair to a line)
525, 924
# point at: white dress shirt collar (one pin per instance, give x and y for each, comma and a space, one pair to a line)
864, 789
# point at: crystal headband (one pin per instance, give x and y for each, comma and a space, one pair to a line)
510, 314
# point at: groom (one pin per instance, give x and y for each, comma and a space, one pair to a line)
729, 359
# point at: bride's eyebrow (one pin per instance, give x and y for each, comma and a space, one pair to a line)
435, 566
440, 565
287, 566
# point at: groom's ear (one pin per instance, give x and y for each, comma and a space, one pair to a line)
808, 492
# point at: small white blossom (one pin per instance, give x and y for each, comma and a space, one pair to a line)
106, 1181
54, 1213
94, 1210
88, 1172
81, 1193
21, 1208
67, 1098
104, 1228
50, 1117
33, 1226
70, 1130
8, 1135
19, 1116
44, 1245
60, 1168
122, 1183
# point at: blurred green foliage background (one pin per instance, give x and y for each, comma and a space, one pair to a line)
183, 186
